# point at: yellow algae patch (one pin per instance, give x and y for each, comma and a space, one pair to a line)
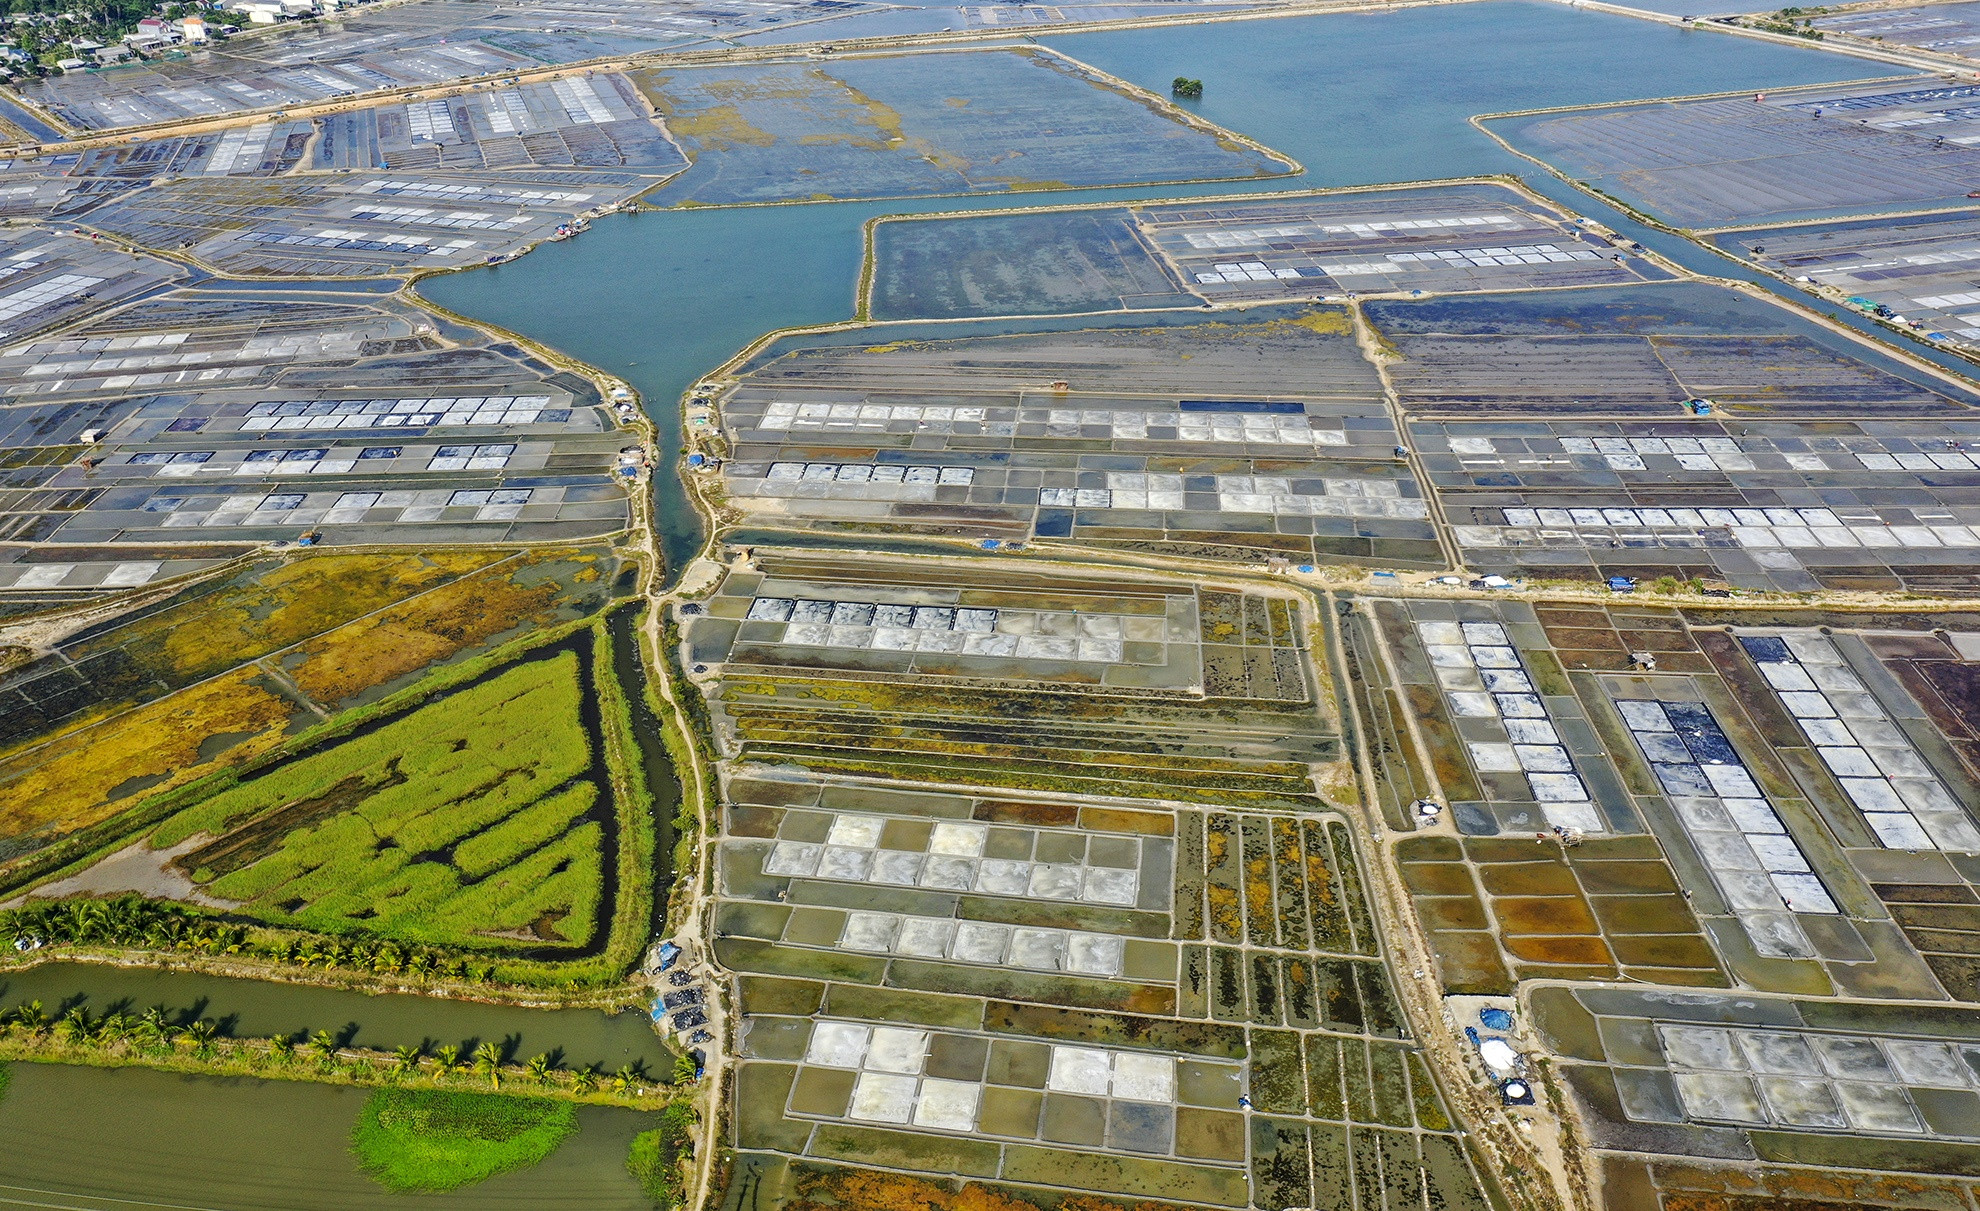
93, 774
720, 127
214, 631
1329, 322
409, 636
877, 114
223, 624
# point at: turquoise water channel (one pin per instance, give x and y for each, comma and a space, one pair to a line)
661, 298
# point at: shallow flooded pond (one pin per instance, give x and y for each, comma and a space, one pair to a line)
90, 1139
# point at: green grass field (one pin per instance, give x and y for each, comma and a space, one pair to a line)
460, 823
434, 1140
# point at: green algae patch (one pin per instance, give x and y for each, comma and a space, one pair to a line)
467, 821
432, 1140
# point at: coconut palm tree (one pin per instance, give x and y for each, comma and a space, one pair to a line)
154, 1028
586, 1079
323, 1048
539, 1068
405, 1058
91, 921
447, 1060
113, 1028
623, 1080
28, 1018
201, 1035
74, 1027
146, 1034
488, 1062
282, 1048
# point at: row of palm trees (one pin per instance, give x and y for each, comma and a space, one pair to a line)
155, 1033
135, 922
152, 1031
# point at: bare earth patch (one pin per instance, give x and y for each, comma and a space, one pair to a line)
136, 867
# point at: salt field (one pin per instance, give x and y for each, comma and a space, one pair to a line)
1443, 240
1803, 153
872, 127
1063, 633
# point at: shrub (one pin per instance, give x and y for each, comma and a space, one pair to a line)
654, 1159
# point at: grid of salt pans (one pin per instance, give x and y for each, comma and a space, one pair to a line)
426, 216
135, 361
1380, 229
1732, 454
51, 575
1858, 1083
1725, 454
984, 942
1692, 453
892, 1088
364, 241
289, 348
1267, 494
1918, 460
472, 458
431, 120
584, 105
1291, 429
240, 148
1483, 677
184, 464
119, 381
953, 861
861, 481
1403, 262
1940, 302
1755, 862
280, 462
1342, 498
1900, 797
1026, 634
321, 460
391, 413
347, 508
46, 292
450, 192
1762, 528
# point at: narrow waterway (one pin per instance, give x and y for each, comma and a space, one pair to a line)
258, 1008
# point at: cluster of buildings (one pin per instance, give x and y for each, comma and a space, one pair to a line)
33, 33
189, 26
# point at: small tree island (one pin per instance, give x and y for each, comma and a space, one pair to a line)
1186, 87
